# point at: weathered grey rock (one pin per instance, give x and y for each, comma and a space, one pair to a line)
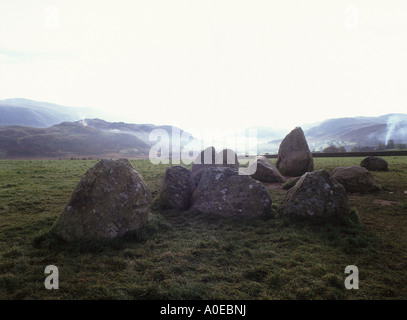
227, 158
110, 200
205, 160
316, 194
291, 182
372, 163
208, 158
294, 157
265, 171
177, 188
355, 179
224, 192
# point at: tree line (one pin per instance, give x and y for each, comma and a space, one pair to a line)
381, 146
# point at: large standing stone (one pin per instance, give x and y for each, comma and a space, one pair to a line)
205, 160
208, 158
227, 158
294, 157
355, 179
177, 188
224, 192
265, 170
316, 194
110, 200
372, 163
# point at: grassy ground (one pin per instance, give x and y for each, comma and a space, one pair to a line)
186, 255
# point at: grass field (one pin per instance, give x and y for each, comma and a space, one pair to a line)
186, 255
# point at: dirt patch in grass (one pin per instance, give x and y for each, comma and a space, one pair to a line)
386, 202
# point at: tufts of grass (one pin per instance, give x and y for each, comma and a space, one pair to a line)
51, 241
188, 255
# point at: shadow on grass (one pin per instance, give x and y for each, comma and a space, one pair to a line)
346, 232
51, 241
194, 217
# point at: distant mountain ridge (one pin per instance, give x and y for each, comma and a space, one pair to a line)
362, 131
40, 129
37, 114
65, 140
141, 131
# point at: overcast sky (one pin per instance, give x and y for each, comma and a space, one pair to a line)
206, 63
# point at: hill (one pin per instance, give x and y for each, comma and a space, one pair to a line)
24, 112
68, 130
31, 128
88, 137
348, 132
362, 131
141, 131
66, 139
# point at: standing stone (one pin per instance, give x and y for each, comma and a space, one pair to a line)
294, 157
372, 163
316, 194
227, 158
110, 200
177, 188
208, 158
205, 160
224, 192
355, 179
265, 171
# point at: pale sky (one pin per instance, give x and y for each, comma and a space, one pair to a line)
199, 64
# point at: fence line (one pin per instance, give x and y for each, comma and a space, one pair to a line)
351, 154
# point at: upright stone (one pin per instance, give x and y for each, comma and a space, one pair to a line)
177, 188
205, 160
110, 200
208, 158
224, 192
294, 157
227, 158
316, 194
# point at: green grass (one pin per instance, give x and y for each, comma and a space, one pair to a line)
187, 255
